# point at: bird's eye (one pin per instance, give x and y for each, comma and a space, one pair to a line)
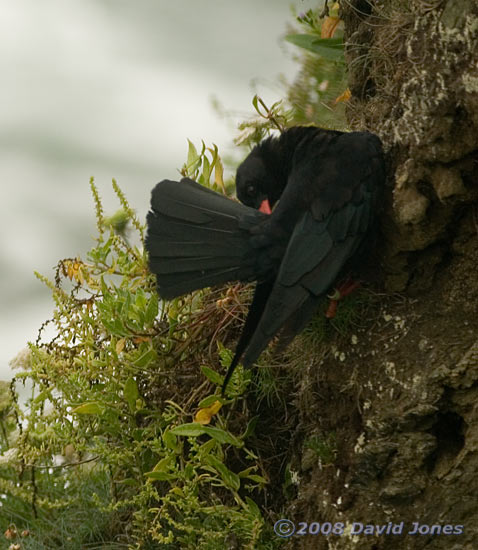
251, 190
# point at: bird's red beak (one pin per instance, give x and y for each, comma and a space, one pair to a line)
265, 207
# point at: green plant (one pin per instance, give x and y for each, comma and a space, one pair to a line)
324, 446
314, 96
106, 450
263, 122
107, 453
328, 48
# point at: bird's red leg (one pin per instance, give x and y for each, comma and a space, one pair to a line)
341, 291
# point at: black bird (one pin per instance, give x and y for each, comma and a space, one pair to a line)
327, 188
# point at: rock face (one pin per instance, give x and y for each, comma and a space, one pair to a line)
401, 397
414, 82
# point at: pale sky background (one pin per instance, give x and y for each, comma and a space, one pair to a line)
112, 88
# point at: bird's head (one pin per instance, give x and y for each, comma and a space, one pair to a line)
255, 186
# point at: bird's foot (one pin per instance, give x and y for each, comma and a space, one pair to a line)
340, 292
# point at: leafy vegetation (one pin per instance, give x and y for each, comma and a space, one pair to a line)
325, 447
125, 441
108, 433
319, 92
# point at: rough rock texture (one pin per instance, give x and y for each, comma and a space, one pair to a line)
401, 396
401, 393
414, 79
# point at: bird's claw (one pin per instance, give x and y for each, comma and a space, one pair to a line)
335, 296
343, 290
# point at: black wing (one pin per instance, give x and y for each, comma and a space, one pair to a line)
324, 237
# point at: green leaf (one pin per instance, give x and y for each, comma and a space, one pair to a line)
209, 400
258, 479
89, 408
328, 48
104, 288
161, 476
253, 508
193, 429
247, 471
192, 153
225, 355
151, 309
131, 393
255, 100
164, 464
139, 434
213, 376
114, 327
45, 394
222, 436
206, 170
215, 155
251, 426
194, 160
170, 441
189, 471
207, 447
140, 301
230, 479
146, 358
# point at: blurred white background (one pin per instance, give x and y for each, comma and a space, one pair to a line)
109, 89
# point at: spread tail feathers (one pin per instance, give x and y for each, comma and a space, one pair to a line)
198, 238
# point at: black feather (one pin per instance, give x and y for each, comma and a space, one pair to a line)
327, 185
197, 238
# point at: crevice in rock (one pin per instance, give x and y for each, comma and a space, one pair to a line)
449, 431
